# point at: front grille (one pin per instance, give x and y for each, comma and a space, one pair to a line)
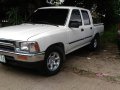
7, 45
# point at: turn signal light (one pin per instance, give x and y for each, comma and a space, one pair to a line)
22, 57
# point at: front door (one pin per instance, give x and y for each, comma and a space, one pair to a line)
75, 34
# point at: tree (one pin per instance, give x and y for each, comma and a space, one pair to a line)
110, 9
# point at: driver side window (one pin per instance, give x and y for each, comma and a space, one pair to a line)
75, 16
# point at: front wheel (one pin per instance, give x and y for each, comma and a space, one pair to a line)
53, 60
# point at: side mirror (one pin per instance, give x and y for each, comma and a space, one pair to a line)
74, 24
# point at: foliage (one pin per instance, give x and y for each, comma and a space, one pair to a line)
107, 9
110, 34
55, 2
14, 16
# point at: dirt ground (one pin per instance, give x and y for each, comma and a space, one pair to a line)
82, 70
104, 64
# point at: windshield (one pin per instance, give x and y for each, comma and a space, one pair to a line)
49, 16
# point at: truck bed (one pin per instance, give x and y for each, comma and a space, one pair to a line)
99, 27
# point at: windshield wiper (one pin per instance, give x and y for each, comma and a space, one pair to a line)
44, 22
41, 22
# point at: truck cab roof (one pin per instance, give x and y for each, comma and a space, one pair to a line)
62, 7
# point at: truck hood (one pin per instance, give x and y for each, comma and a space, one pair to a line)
24, 31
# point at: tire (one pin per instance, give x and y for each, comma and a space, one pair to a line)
95, 44
53, 61
118, 43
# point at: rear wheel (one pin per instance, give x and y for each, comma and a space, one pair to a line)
95, 43
53, 60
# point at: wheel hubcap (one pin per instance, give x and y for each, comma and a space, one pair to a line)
53, 61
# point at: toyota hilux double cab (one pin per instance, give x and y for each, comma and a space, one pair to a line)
47, 36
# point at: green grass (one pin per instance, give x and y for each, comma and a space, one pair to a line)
110, 35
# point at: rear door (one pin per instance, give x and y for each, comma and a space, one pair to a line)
88, 26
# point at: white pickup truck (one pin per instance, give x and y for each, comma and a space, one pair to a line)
47, 36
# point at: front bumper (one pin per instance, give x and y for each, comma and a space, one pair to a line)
23, 57
30, 65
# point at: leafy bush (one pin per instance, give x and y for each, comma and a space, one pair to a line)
14, 16
110, 34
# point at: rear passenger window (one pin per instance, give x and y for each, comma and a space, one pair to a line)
86, 17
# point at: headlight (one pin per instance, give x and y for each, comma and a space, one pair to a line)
24, 46
28, 47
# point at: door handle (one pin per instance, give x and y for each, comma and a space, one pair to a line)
82, 29
90, 27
